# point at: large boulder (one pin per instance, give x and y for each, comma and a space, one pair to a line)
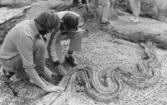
149, 8
142, 32
15, 3
9, 18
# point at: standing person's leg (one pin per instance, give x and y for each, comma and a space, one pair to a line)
106, 10
133, 7
136, 7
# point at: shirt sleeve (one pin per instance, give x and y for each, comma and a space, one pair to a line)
25, 45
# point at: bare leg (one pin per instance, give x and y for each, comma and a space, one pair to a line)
138, 4
139, 7
106, 10
136, 7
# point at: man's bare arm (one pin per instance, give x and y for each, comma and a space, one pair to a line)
34, 78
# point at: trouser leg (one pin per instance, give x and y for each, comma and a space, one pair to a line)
75, 43
15, 66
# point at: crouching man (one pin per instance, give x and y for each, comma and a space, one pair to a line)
22, 51
68, 30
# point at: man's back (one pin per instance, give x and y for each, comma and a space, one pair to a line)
9, 48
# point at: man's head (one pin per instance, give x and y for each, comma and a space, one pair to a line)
70, 22
46, 22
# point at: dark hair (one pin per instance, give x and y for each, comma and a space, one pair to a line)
82, 1
71, 21
48, 20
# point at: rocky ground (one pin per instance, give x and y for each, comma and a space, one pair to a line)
103, 51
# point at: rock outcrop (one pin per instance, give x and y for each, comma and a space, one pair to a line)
155, 9
9, 18
142, 32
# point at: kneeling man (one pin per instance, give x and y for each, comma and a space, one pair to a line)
22, 51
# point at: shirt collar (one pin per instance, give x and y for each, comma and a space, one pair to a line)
36, 32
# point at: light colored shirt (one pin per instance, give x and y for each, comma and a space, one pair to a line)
19, 42
52, 47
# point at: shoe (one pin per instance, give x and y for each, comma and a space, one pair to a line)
71, 61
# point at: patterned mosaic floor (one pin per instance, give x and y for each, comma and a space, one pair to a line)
104, 52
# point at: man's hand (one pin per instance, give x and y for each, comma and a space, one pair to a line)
49, 87
52, 88
60, 68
